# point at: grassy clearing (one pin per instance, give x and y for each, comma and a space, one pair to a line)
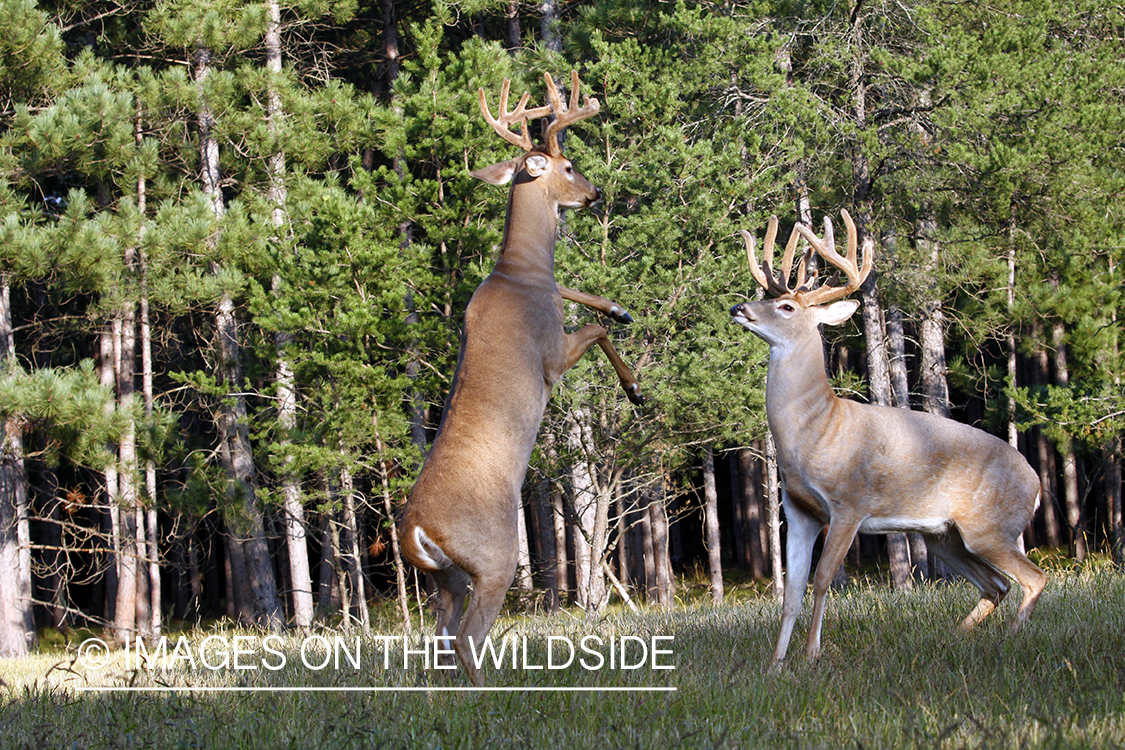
895, 673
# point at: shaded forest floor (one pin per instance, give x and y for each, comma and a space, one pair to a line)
895, 673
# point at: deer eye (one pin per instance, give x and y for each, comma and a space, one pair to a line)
786, 307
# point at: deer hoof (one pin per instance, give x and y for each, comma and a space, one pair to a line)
634, 393
616, 313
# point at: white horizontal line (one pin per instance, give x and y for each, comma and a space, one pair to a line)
249, 689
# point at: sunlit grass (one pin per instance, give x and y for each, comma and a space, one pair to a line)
895, 673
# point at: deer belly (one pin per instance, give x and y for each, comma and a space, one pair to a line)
891, 524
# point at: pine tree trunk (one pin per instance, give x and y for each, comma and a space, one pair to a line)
123, 509
907, 550
129, 477
1113, 480
624, 535
1010, 334
293, 509
547, 560
599, 543
1045, 454
752, 513
662, 563
897, 365
327, 599
935, 388
17, 624
53, 559
647, 564
107, 373
1075, 518
773, 515
512, 22
1113, 458
877, 365
739, 505
1113, 450
155, 603
396, 545
712, 541
562, 561
144, 592
549, 25
589, 576
195, 577
524, 583
244, 516
355, 607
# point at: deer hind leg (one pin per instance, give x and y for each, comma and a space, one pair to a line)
607, 307
485, 603
579, 342
1008, 558
448, 603
951, 549
1031, 578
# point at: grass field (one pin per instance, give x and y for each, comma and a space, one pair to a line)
895, 673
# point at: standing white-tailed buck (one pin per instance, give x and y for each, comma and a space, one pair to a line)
876, 469
459, 524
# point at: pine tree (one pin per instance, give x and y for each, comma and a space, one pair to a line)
1026, 141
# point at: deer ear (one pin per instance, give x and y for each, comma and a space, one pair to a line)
537, 165
497, 174
837, 312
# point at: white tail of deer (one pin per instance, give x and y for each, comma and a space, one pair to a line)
459, 524
873, 469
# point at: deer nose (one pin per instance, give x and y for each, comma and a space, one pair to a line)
741, 313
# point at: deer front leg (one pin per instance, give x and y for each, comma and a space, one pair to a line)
801, 532
841, 532
607, 307
579, 342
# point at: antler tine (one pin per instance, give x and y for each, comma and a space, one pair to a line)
762, 277
763, 273
565, 116
827, 250
520, 114
868, 247
787, 262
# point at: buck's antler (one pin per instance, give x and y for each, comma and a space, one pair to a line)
502, 125
564, 115
763, 274
827, 249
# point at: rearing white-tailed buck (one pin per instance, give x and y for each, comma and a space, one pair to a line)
459, 524
876, 469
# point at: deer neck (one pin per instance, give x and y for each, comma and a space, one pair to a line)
528, 248
800, 403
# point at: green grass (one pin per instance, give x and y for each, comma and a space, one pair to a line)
894, 673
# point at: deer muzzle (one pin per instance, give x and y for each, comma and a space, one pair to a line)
742, 314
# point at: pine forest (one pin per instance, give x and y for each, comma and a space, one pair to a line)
238, 239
